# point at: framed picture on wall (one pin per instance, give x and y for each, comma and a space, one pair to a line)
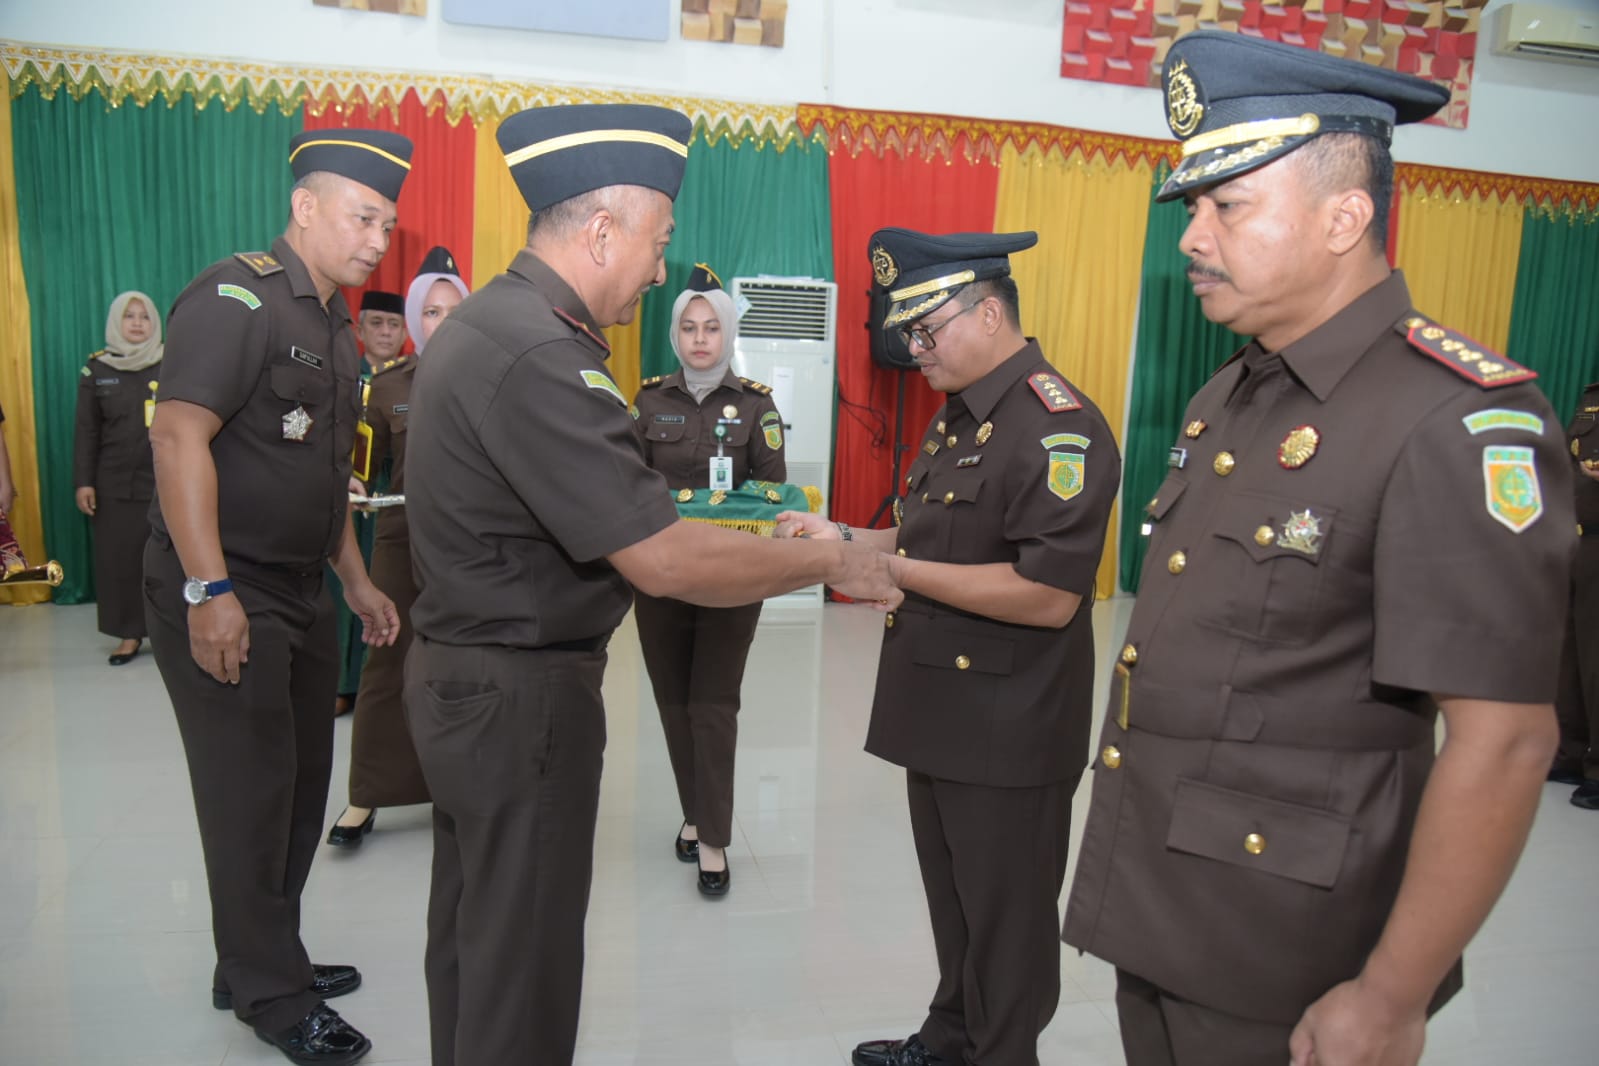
643, 20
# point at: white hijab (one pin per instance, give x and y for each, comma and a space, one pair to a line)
123, 353
700, 382
417, 294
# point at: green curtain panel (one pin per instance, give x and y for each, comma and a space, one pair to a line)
114, 198
1554, 320
1176, 350
743, 210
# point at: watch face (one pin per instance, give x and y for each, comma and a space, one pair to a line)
194, 592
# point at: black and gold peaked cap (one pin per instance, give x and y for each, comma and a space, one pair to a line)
921, 271
556, 153
1238, 102
703, 279
378, 159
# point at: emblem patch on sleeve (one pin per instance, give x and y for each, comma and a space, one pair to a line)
595, 379
1510, 483
772, 429
241, 294
1065, 477
1503, 418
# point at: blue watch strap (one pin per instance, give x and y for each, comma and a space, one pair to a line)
217, 588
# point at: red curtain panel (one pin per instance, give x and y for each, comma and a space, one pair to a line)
871, 191
436, 202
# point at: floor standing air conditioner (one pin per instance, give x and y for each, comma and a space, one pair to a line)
786, 340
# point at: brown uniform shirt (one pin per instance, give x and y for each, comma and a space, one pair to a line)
1018, 468
1270, 727
111, 444
255, 346
1585, 445
388, 407
678, 435
525, 472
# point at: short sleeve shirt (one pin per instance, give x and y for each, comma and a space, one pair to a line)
678, 433
523, 471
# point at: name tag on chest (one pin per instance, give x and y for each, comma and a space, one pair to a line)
310, 359
401, 408
672, 420
107, 381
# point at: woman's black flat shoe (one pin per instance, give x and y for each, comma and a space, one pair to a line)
125, 657
349, 836
715, 883
687, 850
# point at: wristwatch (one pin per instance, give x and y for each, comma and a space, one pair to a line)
197, 590
844, 532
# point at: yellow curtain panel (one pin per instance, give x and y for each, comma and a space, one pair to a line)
16, 370
1459, 253
499, 230
1079, 286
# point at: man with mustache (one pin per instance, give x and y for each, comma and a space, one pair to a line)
532, 514
1367, 522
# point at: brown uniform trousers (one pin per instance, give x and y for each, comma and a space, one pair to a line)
111, 452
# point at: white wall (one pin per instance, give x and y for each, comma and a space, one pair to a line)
1000, 62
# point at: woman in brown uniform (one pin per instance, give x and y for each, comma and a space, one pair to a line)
695, 655
383, 766
112, 467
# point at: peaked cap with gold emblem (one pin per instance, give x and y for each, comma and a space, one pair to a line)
921, 271
556, 153
378, 159
1238, 102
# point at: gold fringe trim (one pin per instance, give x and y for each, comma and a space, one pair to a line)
760, 527
120, 77
1461, 186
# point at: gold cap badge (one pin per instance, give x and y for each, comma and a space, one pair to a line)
884, 269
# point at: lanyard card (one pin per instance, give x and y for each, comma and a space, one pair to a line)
722, 473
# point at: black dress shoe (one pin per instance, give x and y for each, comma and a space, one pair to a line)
1587, 795
125, 657
321, 1038
329, 982
715, 882
350, 836
908, 1052
687, 850
1566, 772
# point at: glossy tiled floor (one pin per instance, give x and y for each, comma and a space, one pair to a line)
105, 949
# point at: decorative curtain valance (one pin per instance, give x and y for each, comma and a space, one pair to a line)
1463, 185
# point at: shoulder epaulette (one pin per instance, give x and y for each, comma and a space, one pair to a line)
582, 327
261, 262
650, 383
756, 386
92, 356
392, 363
1472, 361
1053, 392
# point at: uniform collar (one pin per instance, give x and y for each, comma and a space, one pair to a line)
730, 380
1322, 357
300, 282
561, 296
983, 395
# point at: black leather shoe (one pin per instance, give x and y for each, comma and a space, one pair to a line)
715, 882
350, 836
321, 1038
1587, 795
687, 850
329, 982
125, 657
1566, 772
908, 1052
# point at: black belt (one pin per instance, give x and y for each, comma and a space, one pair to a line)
588, 644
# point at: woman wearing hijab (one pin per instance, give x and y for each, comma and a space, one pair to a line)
112, 466
700, 419
383, 766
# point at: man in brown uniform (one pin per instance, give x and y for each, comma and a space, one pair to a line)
1367, 520
381, 325
1577, 761
252, 439
696, 424
531, 510
986, 679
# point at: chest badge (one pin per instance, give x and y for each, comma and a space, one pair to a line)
984, 431
1301, 533
941, 427
968, 460
730, 411
930, 447
1298, 447
1195, 428
899, 511
296, 424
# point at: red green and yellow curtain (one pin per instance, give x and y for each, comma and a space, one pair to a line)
102, 188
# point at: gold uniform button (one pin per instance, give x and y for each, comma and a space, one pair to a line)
1224, 463
1111, 757
924, 497
1129, 655
888, 620
1177, 563
1264, 536
900, 552
962, 663
1254, 843
949, 497
951, 440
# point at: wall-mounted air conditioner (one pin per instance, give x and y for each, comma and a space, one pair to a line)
1535, 31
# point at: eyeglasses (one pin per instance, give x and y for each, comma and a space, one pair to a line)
922, 336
